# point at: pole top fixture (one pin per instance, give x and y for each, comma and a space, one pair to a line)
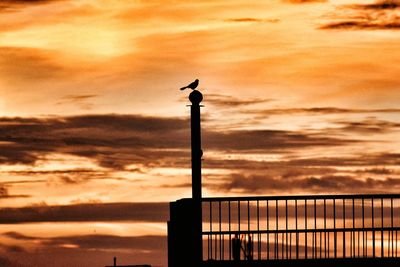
195, 97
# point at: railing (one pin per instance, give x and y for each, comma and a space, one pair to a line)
301, 227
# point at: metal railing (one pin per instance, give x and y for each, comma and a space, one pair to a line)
301, 227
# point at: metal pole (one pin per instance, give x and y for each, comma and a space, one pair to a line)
196, 97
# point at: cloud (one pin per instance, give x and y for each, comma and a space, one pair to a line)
359, 25
380, 15
30, 64
329, 183
116, 141
305, 1
98, 241
268, 140
368, 126
5, 194
140, 212
14, 5
230, 101
379, 5
257, 20
319, 111
81, 101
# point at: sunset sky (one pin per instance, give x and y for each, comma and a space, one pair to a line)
300, 97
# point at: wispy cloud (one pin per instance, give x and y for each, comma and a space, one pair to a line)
231, 101
139, 212
381, 15
329, 183
251, 20
14, 5
116, 141
98, 241
305, 1
320, 111
5, 194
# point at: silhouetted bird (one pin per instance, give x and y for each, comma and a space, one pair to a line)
192, 86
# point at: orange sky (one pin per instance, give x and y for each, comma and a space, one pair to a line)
299, 92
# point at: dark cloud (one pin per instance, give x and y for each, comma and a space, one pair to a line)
377, 171
379, 5
251, 20
368, 126
331, 183
360, 25
116, 141
99, 241
230, 101
308, 166
268, 140
380, 15
142, 212
15, 5
5, 194
69, 176
305, 1
320, 111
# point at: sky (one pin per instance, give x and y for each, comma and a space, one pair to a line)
300, 97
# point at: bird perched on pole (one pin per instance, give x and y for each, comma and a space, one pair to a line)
192, 86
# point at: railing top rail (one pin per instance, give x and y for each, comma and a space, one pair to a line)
301, 197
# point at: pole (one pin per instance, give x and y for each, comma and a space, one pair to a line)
196, 97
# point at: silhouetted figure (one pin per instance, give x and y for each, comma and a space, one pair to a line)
249, 248
236, 246
192, 86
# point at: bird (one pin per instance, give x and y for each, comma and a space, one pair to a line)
192, 86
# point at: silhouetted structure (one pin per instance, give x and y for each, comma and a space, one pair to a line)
320, 230
185, 225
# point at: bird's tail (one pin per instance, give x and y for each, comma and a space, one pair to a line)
183, 88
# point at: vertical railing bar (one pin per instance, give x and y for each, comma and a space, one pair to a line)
287, 241
229, 228
315, 227
305, 226
363, 226
297, 234
267, 230
248, 215
382, 245
283, 245
334, 228
216, 245
373, 228
325, 228
290, 245
391, 221
344, 227
248, 225
239, 222
239, 217
211, 237
354, 233
258, 231
277, 228
358, 244
220, 229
